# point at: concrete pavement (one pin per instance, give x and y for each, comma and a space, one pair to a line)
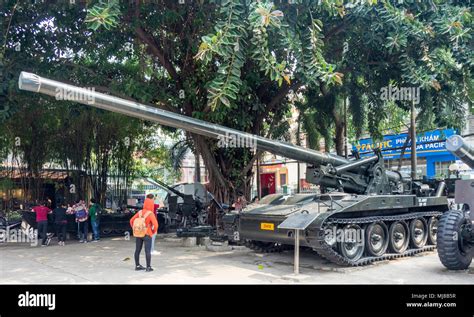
111, 261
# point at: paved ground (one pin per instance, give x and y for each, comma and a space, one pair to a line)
111, 261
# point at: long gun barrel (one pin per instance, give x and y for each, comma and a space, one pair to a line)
169, 189
460, 148
35, 83
32, 82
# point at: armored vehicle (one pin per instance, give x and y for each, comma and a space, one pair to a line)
455, 234
372, 213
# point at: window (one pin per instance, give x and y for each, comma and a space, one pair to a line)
406, 166
442, 169
282, 179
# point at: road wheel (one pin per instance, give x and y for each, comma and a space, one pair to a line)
432, 230
352, 247
399, 236
418, 232
106, 232
376, 238
454, 253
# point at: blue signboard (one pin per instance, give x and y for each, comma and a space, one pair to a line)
431, 143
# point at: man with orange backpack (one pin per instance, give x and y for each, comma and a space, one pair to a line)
144, 226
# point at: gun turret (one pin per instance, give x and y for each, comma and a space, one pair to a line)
460, 148
354, 176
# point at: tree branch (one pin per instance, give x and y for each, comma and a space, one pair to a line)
157, 51
274, 102
335, 30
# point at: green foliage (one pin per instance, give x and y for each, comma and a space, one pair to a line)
263, 16
103, 14
233, 62
259, 31
411, 44
6, 184
157, 163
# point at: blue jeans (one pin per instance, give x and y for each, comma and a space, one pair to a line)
153, 237
83, 230
95, 230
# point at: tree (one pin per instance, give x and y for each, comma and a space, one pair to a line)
93, 145
411, 44
234, 62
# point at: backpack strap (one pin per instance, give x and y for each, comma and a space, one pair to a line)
147, 214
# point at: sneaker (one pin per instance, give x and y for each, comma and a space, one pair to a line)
95, 240
139, 268
48, 241
44, 245
155, 253
149, 269
60, 243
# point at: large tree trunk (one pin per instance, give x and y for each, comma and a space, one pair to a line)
222, 184
338, 113
339, 137
218, 185
197, 166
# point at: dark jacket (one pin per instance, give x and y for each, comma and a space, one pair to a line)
59, 215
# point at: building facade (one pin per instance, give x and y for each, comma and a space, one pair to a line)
433, 160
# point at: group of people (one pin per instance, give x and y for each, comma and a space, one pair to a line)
82, 214
144, 224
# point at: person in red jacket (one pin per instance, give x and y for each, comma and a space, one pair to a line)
42, 222
151, 229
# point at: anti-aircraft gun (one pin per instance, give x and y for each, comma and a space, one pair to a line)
455, 232
375, 214
186, 209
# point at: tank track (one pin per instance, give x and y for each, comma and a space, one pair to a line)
326, 251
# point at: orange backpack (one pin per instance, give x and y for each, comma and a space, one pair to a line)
139, 224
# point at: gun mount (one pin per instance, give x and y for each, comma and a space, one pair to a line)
185, 209
378, 205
